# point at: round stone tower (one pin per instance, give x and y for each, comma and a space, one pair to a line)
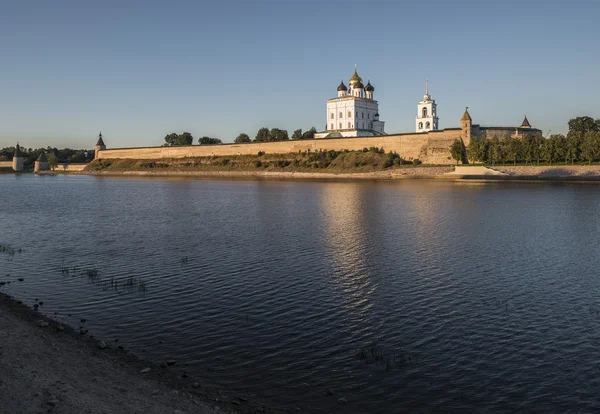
41, 164
465, 125
17, 163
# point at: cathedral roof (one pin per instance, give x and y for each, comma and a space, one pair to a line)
359, 85
525, 123
355, 79
369, 87
100, 140
342, 87
42, 157
18, 152
466, 116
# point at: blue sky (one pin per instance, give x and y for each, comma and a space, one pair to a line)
140, 70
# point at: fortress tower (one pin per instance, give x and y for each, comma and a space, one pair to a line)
466, 124
427, 119
99, 145
41, 164
17, 162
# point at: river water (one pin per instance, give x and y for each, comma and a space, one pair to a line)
477, 297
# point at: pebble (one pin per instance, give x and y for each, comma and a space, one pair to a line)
102, 345
42, 324
171, 362
196, 385
235, 402
60, 328
260, 409
20, 279
145, 371
342, 400
163, 364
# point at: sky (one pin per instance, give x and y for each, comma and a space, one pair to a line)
139, 70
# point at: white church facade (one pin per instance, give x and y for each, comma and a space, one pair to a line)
354, 113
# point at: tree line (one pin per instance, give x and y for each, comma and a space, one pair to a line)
54, 155
263, 135
582, 143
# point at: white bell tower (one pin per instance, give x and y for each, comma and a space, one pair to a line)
427, 119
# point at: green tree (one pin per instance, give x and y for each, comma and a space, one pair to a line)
175, 139
495, 150
52, 160
277, 134
242, 138
457, 150
513, 148
297, 134
553, 148
474, 149
262, 135
573, 147
310, 134
590, 146
209, 141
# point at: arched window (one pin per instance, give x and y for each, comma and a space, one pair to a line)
331, 126
420, 125
362, 114
332, 116
368, 115
424, 112
349, 114
348, 125
427, 124
340, 125
341, 115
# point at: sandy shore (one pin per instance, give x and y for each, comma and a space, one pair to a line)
46, 367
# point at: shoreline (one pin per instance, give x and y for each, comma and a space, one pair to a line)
425, 173
48, 366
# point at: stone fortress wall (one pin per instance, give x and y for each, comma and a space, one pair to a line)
430, 147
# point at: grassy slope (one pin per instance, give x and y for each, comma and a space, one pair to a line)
331, 161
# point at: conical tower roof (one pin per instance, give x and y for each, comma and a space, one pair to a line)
42, 157
18, 152
466, 116
100, 140
525, 123
369, 87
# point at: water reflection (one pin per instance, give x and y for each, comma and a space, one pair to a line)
343, 214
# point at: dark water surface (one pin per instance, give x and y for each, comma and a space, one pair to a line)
480, 297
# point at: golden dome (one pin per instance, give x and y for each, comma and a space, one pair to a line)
355, 79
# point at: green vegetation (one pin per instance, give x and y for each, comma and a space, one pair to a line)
62, 155
582, 144
276, 134
457, 150
174, 139
209, 141
242, 138
94, 276
366, 160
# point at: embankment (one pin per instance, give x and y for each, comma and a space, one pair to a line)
49, 367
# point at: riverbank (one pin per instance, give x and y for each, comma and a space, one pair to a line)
49, 367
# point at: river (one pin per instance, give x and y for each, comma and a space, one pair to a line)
397, 296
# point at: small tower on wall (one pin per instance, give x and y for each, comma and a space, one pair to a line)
465, 125
17, 162
41, 164
427, 119
99, 145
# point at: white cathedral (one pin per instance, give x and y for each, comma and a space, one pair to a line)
354, 113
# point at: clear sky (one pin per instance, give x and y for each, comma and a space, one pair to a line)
140, 70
